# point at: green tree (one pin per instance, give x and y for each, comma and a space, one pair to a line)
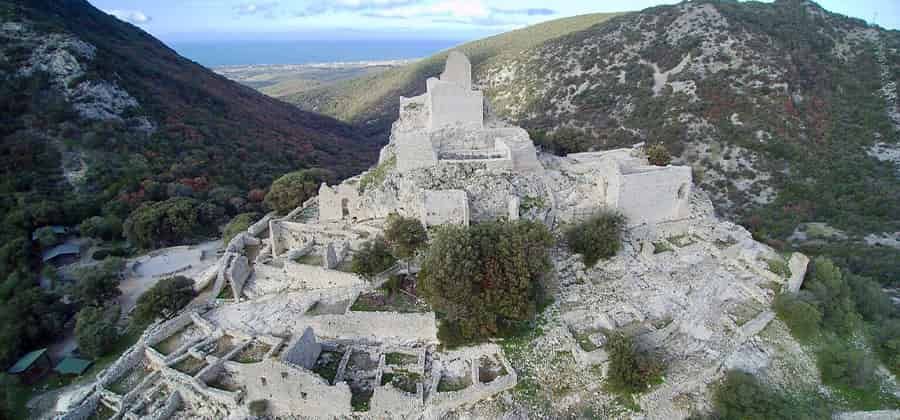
95, 329
597, 237
658, 155
164, 300
101, 227
238, 224
98, 284
802, 318
742, 397
870, 300
171, 222
826, 282
843, 364
405, 235
631, 369
485, 276
372, 258
292, 189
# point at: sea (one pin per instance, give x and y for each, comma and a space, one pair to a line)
239, 53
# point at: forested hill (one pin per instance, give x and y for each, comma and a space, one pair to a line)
100, 122
788, 113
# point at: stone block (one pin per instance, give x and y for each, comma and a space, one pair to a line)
798, 265
303, 350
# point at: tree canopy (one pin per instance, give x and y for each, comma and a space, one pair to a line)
292, 189
405, 235
482, 276
597, 237
174, 221
164, 299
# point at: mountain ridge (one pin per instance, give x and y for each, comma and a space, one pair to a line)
783, 109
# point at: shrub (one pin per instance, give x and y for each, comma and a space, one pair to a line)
98, 284
801, 317
164, 299
486, 276
887, 344
832, 293
658, 155
741, 396
844, 365
373, 258
631, 369
171, 222
870, 300
95, 330
292, 189
405, 235
107, 228
238, 224
597, 237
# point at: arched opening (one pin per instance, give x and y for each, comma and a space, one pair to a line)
345, 207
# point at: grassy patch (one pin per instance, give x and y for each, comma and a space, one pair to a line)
376, 175
327, 365
400, 359
662, 246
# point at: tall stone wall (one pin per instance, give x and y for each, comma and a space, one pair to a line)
451, 104
414, 150
317, 277
656, 195
458, 70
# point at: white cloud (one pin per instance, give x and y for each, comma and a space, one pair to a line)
133, 16
254, 8
471, 12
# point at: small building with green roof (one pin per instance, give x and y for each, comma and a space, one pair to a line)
72, 366
32, 366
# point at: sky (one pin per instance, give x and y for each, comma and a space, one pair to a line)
463, 20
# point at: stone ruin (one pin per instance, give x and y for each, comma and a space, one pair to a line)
284, 328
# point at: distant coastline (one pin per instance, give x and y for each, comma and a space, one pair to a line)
224, 54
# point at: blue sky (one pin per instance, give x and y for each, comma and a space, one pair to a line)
185, 20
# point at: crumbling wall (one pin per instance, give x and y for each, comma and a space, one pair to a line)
237, 273
315, 277
386, 327
285, 236
445, 207
84, 410
123, 364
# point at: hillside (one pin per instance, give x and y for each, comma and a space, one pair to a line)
98, 120
373, 101
787, 112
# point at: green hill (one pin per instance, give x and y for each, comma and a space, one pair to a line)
373, 101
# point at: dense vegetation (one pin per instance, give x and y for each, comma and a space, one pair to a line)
163, 300
485, 277
848, 322
197, 150
597, 237
238, 224
291, 190
632, 369
405, 235
742, 396
372, 258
